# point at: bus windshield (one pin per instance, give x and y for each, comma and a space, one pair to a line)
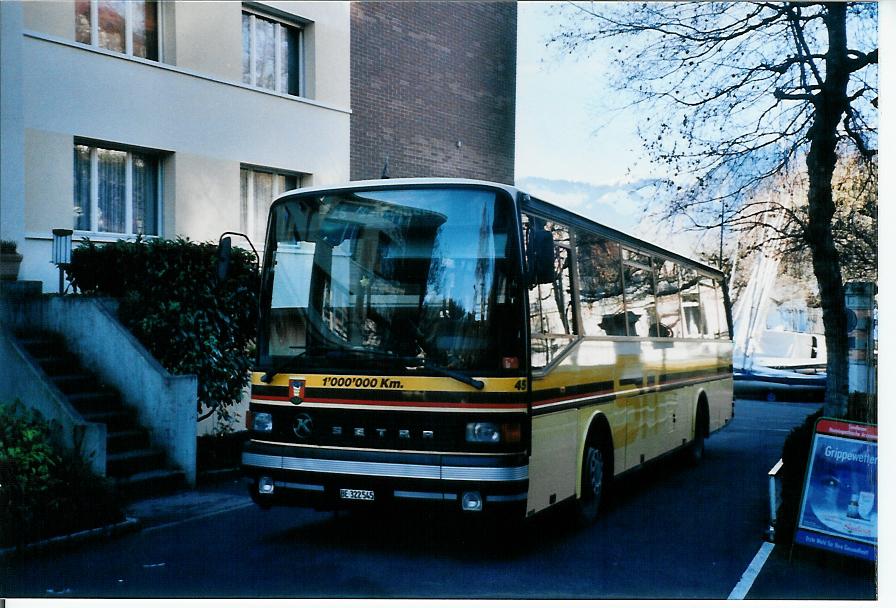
387, 278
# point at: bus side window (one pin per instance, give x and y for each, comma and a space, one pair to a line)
600, 287
723, 316
711, 308
640, 302
694, 324
668, 300
551, 311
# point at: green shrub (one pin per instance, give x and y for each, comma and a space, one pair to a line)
171, 301
796, 458
46, 491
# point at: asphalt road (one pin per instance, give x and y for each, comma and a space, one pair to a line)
669, 532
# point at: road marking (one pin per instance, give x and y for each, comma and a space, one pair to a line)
752, 571
198, 517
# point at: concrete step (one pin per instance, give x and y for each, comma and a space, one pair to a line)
43, 345
151, 483
55, 365
115, 420
124, 464
102, 400
136, 468
70, 383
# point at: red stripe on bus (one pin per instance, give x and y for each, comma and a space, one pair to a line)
574, 397
271, 397
502, 406
645, 389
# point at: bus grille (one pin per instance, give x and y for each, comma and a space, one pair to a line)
417, 431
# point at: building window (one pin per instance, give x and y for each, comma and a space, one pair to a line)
272, 54
116, 191
123, 26
258, 188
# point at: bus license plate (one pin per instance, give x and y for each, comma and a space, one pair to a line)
356, 494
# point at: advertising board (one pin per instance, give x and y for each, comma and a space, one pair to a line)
838, 511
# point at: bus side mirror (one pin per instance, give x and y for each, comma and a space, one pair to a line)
541, 257
223, 258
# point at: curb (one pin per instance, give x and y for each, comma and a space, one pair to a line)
129, 524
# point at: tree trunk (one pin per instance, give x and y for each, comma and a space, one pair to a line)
830, 106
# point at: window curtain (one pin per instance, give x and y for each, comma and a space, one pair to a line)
264, 192
244, 200
112, 166
265, 46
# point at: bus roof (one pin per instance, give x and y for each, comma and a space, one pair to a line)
571, 219
535, 204
380, 184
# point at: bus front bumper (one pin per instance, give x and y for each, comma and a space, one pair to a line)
339, 478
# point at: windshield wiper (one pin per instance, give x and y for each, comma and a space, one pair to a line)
449, 373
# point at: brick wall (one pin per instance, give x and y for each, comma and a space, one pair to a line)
427, 75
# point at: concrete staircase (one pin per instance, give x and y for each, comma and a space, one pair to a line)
136, 467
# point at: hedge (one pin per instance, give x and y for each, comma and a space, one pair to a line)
171, 300
46, 491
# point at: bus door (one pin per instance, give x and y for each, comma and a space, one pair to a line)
552, 327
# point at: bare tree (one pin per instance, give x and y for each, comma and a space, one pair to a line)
737, 96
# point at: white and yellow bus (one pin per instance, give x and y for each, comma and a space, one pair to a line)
460, 343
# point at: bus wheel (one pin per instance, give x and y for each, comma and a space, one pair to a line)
593, 483
697, 448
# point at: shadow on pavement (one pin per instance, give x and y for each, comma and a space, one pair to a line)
415, 531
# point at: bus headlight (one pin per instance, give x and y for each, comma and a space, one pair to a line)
483, 432
489, 432
262, 422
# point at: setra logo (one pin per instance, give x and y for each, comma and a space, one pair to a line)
303, 426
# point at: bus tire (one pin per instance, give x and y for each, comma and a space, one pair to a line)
594, 481
697, 448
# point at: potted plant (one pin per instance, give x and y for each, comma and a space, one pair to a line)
10, 259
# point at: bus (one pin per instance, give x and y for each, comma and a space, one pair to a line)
463, 344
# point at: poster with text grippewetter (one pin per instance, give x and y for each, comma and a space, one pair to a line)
839, 506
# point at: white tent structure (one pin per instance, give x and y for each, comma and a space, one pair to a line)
771, 358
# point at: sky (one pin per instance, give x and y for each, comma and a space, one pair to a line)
559, 108
570, 149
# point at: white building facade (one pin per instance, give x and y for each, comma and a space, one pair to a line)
165, 119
